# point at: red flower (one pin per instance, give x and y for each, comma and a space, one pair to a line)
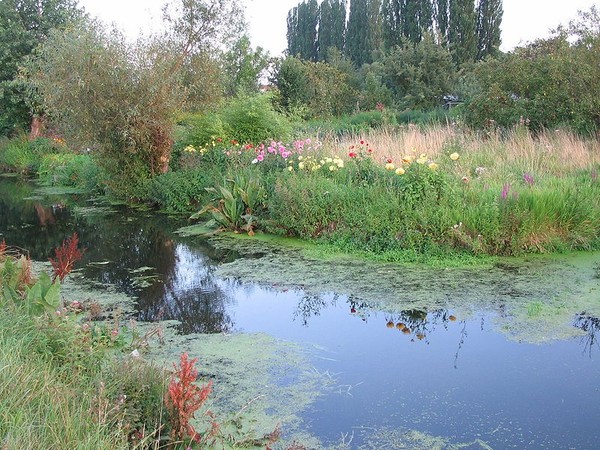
352, 155
219, 139
389, 160
351, 147
362, 142
370, 150
234, 142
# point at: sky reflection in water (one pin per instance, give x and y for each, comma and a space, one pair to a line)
436, 372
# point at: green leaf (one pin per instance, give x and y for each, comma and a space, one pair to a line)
52, 295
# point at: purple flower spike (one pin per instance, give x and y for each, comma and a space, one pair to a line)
505, 191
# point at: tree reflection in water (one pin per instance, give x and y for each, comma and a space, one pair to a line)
190, 294
591, 326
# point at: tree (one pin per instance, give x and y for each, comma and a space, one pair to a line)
332, 27
462, 31
120, 99
313, 89
418, 74
489, 18
441, 15
406, 19
242, 67
302, 30
549, 83
363, 34
25, 24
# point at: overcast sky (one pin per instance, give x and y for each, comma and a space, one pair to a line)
523, 21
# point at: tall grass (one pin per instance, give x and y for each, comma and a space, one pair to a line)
555, 152
40, 405
504, 195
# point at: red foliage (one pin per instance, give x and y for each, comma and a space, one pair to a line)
66, 257
184, 398
2, 247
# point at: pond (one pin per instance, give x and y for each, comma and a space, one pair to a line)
346, 353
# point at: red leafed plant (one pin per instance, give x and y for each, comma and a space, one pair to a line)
66, 257
184, 398
2, 248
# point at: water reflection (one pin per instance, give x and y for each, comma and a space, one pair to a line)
190, 294
591, 326
403, 360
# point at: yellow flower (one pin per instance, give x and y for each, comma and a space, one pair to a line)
454, 156
407, 159
390, 166
433, 166
301, 165
421, 160
423, 156
332, 168
290, 169
400, 171
300, 158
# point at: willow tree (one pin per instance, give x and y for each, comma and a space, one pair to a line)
120, 99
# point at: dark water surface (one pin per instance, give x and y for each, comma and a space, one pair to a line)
467, 378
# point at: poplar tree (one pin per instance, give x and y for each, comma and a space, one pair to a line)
489, 18
332, 27
392, 16
408, 19
302, 30
441, 15
462, 31
363, 34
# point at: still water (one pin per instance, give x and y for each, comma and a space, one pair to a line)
505, 357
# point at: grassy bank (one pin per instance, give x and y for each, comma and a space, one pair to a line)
395, 194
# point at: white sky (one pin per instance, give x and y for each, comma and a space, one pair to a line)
523, 21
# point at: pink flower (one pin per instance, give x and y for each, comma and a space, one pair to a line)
260, 156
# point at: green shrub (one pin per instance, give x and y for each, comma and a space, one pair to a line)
182, 191
22, 155
254, 120
69, 169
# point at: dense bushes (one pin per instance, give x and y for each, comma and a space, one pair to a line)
547, 84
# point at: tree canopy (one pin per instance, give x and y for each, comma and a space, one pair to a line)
24, 25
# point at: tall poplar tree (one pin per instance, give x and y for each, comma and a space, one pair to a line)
392, 16
363, 34
408, 19
293, 37
441, 15
462, 31
302, 30
332, 27
489, 18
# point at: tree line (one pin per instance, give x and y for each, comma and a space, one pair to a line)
364, 29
